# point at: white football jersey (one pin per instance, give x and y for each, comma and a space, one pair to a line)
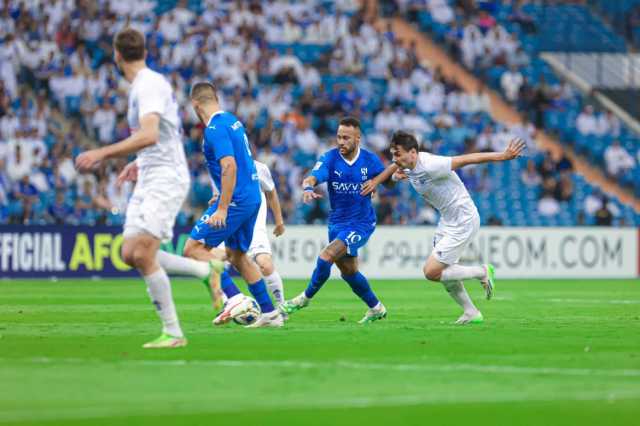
264, 176
150, 92
442, 188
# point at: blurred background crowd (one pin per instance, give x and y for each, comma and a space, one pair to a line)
290, 70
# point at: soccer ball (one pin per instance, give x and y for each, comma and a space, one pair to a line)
247, 311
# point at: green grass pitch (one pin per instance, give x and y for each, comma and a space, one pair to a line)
550, 352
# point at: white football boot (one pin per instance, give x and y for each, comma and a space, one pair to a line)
271, 319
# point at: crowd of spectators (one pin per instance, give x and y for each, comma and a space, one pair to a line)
483, 35
289, 70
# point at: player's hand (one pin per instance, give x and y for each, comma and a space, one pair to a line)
514, 149
128, 174
399, 175
88, 160
309, 196
278, 230
214, 198
218, 219
368, 187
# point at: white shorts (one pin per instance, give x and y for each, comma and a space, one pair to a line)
260, 241
449, 242
259, 244
153, 208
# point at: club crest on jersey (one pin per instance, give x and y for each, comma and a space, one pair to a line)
364, 173
236, 125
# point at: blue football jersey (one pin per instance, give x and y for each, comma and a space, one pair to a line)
225, 136
344, 183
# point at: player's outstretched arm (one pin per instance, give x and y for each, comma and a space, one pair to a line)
513, 150
145, 136
228, 183
369, 186
274, 205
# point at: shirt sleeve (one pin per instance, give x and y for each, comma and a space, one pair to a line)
150, 100
321, 170
266, 180
218, 138
436, 165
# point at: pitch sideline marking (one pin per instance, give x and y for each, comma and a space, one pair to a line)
437, 368
93, 412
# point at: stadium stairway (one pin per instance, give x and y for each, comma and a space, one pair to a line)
502, 112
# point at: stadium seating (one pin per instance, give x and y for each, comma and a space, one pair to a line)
342, 89
565, 28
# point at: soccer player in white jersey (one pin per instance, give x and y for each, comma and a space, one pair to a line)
260, 248
434, 178
162, 181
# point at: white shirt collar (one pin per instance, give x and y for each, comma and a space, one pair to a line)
213, 115
351, 162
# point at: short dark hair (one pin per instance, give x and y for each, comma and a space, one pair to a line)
350, 122
204, 91
130, 44
404, 139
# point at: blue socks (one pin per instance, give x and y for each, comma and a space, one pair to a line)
259, 292
319, 277
360, 286
228, 286
357, 281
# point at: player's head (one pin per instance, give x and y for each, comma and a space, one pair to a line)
348, 136
128, 46
404, 148
204, 100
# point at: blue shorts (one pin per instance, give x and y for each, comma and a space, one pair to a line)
354, 236
236, 235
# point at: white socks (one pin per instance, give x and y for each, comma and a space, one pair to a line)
458, 293
458, 272
174, 264
159, 289
275, 287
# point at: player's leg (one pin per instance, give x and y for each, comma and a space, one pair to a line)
260, 252
206, 270
198, 250
199, 246
139, 251
270, 316
180, 265
335, 250
271, 277
448, 248
359, 284
434, 271
442, 265
239, 233
142, 234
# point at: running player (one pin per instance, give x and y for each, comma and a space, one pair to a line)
434, 178
352, 219
162, 178
232, 217
260, 248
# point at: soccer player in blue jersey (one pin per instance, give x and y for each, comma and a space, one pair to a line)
231, 218
352, 219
